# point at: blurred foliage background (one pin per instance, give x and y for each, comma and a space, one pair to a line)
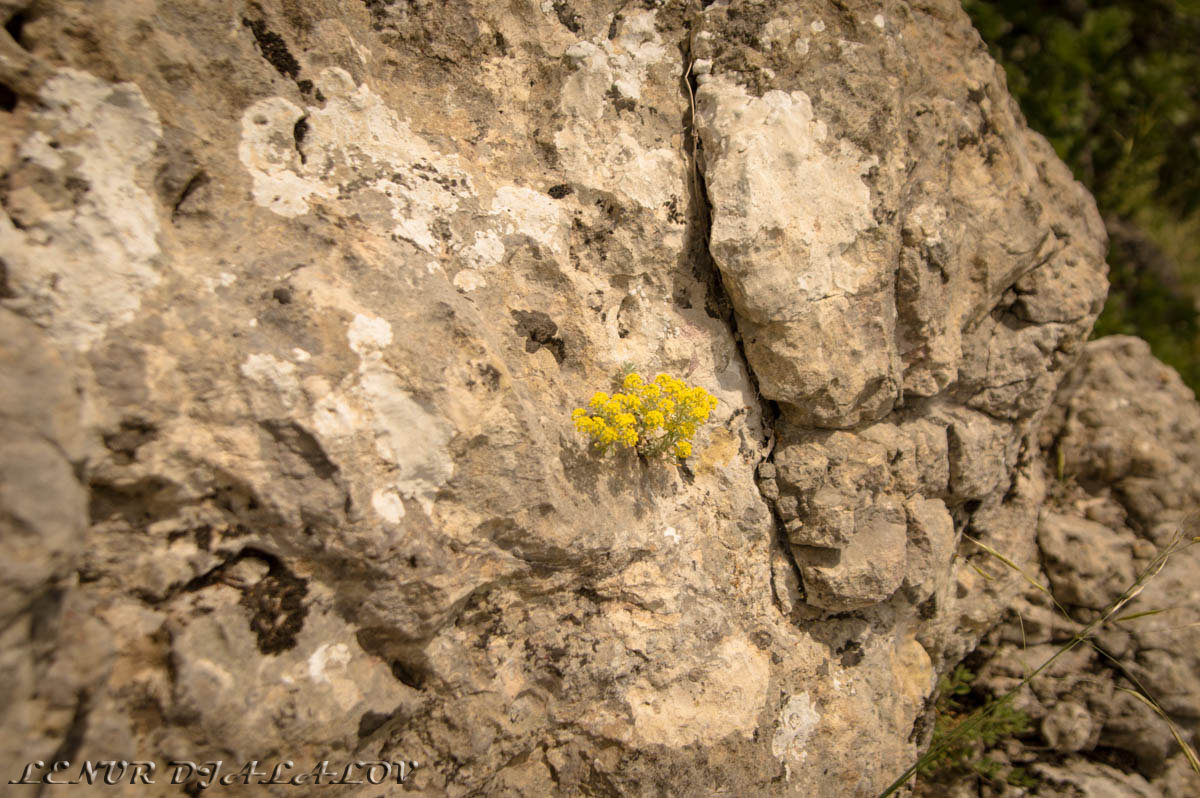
1115, 86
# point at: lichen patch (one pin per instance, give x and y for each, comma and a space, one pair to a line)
80, 236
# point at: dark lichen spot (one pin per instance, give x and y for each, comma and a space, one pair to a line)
370, 722
567, 16
273, 48
378, 8
489, 377
6, 291
8, 98
299, 131
305, 86
617, 19
539, 331
132, 434
76, 186
620, 102
851, 653
282, 295
559, 191
276, 608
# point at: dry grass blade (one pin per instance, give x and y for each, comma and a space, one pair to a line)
1016, 568
1183, 744
1085, 634
1135, 615
1143, 695
988, 577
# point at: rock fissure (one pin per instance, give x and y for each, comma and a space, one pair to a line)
769, 411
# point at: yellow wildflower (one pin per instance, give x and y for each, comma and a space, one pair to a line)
657, 418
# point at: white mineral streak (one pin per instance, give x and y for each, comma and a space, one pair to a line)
603, 153
725, 699
82, 267
797, 722
531, 213
275, 374
352, 136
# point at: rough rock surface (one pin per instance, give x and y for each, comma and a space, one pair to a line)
297, 295
1120, 444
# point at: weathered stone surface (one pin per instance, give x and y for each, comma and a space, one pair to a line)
865, 571
1080, 777
1087, 563
1126, 421
1120, 442
930, 552
789, 200
297, 297
1069, 727
833, 152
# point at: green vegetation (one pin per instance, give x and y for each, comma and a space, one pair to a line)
955, 751
1112, 84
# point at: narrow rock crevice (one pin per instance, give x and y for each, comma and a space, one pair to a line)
15, 27
197, 181
705, 266
73, 740
700, 235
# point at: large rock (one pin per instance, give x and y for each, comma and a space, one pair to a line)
886, 228
1120, 445
297, 297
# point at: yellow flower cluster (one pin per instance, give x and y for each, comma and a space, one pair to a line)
652, 417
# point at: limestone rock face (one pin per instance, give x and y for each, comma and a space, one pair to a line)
1120, 444
296, 297
885, 228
